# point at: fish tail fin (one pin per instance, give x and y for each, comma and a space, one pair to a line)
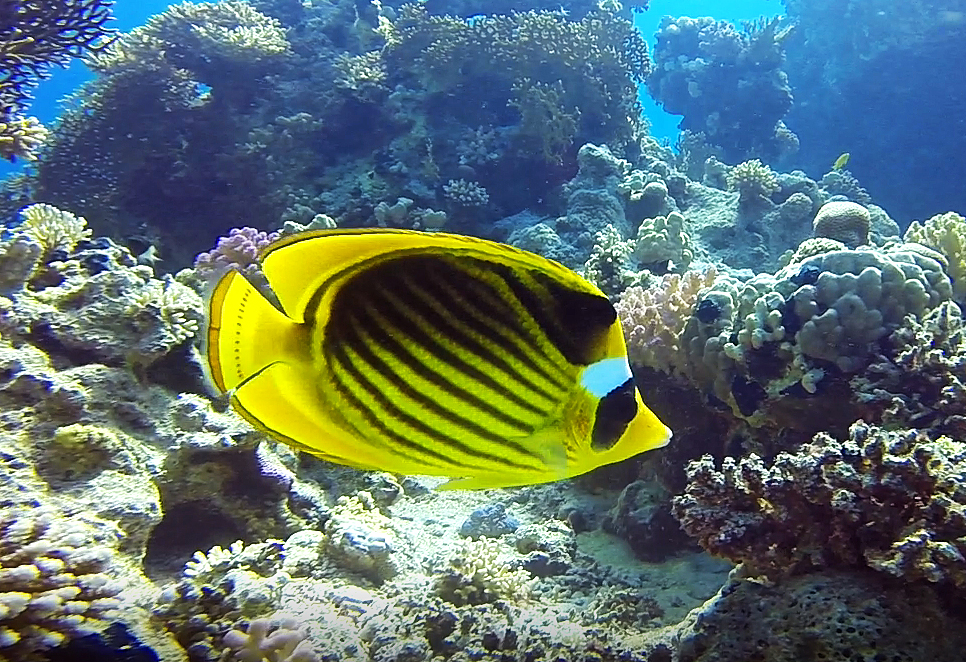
245, 333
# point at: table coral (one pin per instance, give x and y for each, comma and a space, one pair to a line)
891, 501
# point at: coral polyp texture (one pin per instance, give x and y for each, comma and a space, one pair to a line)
55, 581
892, 501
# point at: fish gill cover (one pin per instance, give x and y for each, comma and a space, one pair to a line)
801, 335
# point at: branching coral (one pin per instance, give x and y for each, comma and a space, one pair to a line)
945, 233
52, 228
727, 83
893, 501
36, 36
753, 180
478, 575
239, 251
654, 319
200, 37
21, 137
562, 70
55, 582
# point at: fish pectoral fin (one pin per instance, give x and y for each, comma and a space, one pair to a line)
282, 400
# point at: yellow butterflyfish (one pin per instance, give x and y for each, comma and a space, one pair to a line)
430, 354
842, 161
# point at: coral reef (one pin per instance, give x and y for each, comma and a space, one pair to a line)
890, 501
919, 377
833, 616
728, 84
34, 38
55, 581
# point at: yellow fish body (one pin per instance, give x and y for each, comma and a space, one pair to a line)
429, 353
842, 161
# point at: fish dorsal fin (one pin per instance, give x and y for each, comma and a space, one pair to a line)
304, 266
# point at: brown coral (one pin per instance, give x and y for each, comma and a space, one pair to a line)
892, 501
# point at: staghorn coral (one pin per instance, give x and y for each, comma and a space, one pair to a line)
654, 319
945, 233
844, 221
891, 501
55, 581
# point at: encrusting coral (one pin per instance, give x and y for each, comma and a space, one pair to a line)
889, 500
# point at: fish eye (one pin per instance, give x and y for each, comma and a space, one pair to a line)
615, 411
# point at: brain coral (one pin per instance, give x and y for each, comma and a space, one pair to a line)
845, 221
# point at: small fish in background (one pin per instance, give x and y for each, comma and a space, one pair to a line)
842, 161
429, 354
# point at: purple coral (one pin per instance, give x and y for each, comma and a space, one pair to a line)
239, 251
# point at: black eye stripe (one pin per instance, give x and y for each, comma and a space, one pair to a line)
614, 412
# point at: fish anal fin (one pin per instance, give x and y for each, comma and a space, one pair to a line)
298, 418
